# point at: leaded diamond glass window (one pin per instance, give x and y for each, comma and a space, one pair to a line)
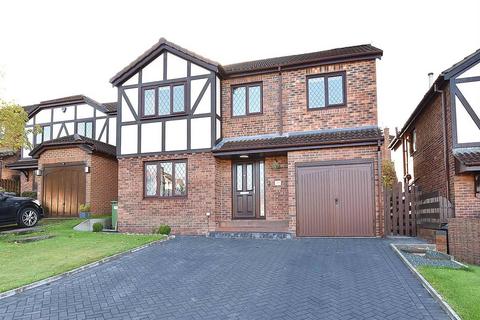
179, 98
254, 102
335, 90
151, 180
316, 92
166, 182
166, 179
163, 101
249, 177
149, 102
85, 128
326, 91
239, 101
247, 99
180, 179
239, 177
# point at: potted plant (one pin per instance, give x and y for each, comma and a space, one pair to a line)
84, 211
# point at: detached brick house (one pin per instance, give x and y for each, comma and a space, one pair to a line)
74, 156
288, 144
441, 147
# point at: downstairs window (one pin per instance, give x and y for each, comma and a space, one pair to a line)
165, 179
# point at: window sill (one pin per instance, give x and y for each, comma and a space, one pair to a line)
174, 115
340, 106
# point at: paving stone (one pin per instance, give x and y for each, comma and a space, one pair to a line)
207, 278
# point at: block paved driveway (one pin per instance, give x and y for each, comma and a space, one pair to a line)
202, 278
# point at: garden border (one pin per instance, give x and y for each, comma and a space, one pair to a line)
443, 304
51, 279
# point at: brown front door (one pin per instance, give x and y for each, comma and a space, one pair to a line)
335, 200
248, 190
63, 190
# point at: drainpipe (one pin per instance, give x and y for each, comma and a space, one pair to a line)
380, 185
445, 142
280, 100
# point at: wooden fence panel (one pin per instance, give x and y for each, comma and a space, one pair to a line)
10, 185
399, 211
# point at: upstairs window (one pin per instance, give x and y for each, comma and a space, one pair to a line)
43, 135
326, 91
85, 128
163, 100
247, 99
165, 179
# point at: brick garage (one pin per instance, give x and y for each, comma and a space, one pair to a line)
345, 153
101, 182
464, 239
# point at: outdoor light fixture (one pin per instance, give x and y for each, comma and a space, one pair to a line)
244, 156
87, 169
38, 172
477, 185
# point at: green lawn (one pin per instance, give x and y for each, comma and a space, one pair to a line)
24, 263
461, 288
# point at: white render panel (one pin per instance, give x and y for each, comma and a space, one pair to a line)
205, 105
132, 95
176, 135
85, 111
70, 128
196, 87
60, 115
30, 121
100, 114
201, 133
218, 130
153, 71
99, 123
56, 130
472, 72
43, 116
132, 81
471, 92
129, 139
218, 92
151, 137
112, 131
176, 67
126, 113
196, 70
26, 151
467, 130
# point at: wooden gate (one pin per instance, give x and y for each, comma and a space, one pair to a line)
10, 185
400, 211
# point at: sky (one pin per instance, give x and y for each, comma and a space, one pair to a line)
51, 49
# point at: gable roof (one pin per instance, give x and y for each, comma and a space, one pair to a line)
445, 75
318, 57
89, 145
299, 140
365, 51
110, 107
149, 55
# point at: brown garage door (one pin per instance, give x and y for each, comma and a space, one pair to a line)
335, 200
63, 190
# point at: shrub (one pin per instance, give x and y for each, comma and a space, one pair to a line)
84, 207
97, 227
164, 229
29, 194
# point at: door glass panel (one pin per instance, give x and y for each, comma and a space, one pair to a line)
262, 189
239, 177
249, 176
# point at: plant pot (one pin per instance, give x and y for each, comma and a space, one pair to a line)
84, 215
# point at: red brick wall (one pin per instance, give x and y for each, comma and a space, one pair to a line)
28, 185
464, 239
104, 183
7, 173
361, 109
467, 205
347, 153
184, 215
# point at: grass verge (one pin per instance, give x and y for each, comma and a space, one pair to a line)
24, 263
459, 287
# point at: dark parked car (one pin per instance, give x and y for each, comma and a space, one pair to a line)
25, 212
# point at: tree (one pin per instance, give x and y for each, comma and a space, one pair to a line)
13, 134
389, 176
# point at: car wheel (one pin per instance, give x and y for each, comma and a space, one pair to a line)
28, 217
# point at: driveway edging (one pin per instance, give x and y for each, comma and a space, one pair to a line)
51, 279
443, 304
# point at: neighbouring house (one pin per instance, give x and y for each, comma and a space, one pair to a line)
288, 144
441, 150
8, 156
73, 160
